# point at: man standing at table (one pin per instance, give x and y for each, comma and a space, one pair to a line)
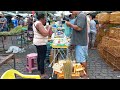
79, 38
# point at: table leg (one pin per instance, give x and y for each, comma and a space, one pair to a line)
67, 53
21, 40
11, 40
62, 55
3, 43
54, 55
27, 39
14, 62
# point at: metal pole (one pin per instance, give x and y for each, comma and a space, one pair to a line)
3, 43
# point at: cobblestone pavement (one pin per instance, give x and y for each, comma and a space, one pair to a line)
97, 68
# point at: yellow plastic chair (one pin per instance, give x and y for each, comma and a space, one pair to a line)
10, 74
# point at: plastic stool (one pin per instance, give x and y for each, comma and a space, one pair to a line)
30, 62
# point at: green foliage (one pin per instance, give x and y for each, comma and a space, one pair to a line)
14, 31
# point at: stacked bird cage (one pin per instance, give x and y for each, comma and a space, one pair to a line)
103, 19
115, 17
109, 47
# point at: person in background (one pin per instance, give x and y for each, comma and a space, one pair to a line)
30, 23
25, 21
21, 22
3, 23
88, 27
94, 26
15, 21
9, 22
72, 20
13, 18
30, 28
79, 39
40, 40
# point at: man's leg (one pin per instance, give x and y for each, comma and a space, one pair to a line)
90, 40
81, 53
93, 39
85, 65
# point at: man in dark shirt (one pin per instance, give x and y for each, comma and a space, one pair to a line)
79, 38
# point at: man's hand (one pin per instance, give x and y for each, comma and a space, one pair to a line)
68, 23
75, 27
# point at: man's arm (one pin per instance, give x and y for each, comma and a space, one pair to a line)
80, 23
75, 27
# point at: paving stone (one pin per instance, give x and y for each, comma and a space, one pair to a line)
99, 77
108, 77
92, 77
112, 75
98, 71
102, 74
96, 74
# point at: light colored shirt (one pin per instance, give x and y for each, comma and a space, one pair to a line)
38, 38
88, 24
93, 26
3, 20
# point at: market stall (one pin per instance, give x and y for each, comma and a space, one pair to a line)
18, 33
63, 63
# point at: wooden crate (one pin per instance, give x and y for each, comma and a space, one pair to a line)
115, 50
101, 46
114, 55
101, 52
107, 41
115, 17
117, 63
104, 41
113, 42
103, 17
112, 60
114, 32
74, 75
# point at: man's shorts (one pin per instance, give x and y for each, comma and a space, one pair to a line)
81, 53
